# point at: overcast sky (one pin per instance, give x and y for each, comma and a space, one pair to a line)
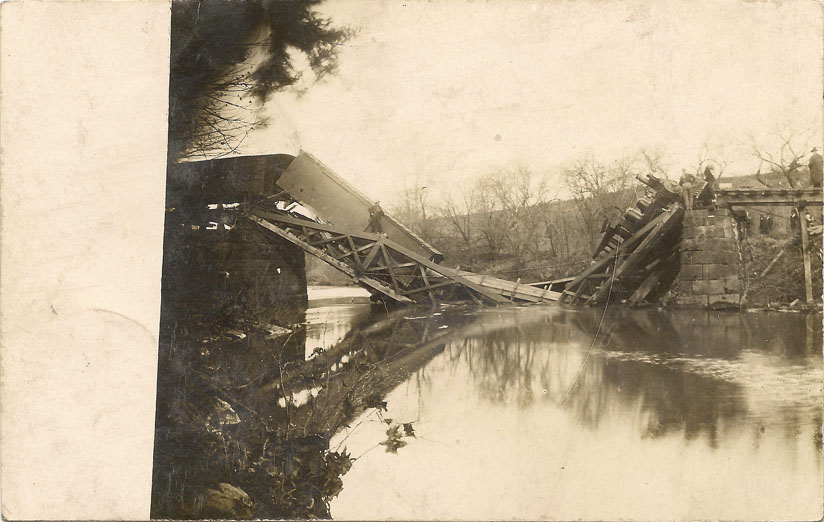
447, 91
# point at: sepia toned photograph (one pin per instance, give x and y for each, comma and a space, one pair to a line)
491, 260
421, 260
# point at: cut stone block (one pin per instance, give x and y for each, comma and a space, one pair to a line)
695, 217
700, 301
724, 301
691, 272
713, 287
720, 271
683, 287
731, 285
694, 257
709, 244
701, 232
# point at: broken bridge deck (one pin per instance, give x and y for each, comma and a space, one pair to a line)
316, 210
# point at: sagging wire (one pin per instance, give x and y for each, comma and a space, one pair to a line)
594, 337
597, 330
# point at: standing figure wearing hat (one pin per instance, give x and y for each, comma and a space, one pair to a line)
687, 181
816, 168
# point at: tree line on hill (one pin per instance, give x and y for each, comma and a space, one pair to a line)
512, 223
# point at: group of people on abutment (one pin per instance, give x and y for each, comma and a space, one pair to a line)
688, 181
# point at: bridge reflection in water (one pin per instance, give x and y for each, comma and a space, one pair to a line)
665, 415
527, 412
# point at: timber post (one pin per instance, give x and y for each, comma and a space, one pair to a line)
805, 248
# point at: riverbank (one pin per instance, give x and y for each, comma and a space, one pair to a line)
248, 411
774, 274
252, 423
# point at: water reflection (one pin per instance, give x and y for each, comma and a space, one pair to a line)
688, 371
328, 325
525, 412
653, 394
246, 415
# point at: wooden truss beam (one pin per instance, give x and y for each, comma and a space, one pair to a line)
390, 270
623, 261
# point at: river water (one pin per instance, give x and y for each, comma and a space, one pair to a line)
545, 412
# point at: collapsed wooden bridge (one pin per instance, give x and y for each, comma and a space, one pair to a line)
376, 251
638, 257
298, 200
325, 216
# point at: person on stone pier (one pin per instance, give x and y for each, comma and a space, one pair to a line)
687, 183
708, 194
816, 168
709, 177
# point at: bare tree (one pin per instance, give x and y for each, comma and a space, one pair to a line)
786, 155
599, 190
490, 223
460, 214
712, 154
512, 202
653, 161
226, 115
414, 209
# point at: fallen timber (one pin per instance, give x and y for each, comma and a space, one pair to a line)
637, 259
316, 210
392, 271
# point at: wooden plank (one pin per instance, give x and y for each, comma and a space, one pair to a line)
638, 254
405, 252
552, 282
769, 197
396, 265
376, 247
522, 291
331, 239
353, 249
577, 294
772, 263
402, 278
364, 248
805, 246
601, 262
429, 288
645, 288
388, 261
283, 218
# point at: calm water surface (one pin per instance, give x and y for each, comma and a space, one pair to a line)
332, 312
544, 412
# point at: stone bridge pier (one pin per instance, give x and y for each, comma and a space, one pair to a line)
711, 264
